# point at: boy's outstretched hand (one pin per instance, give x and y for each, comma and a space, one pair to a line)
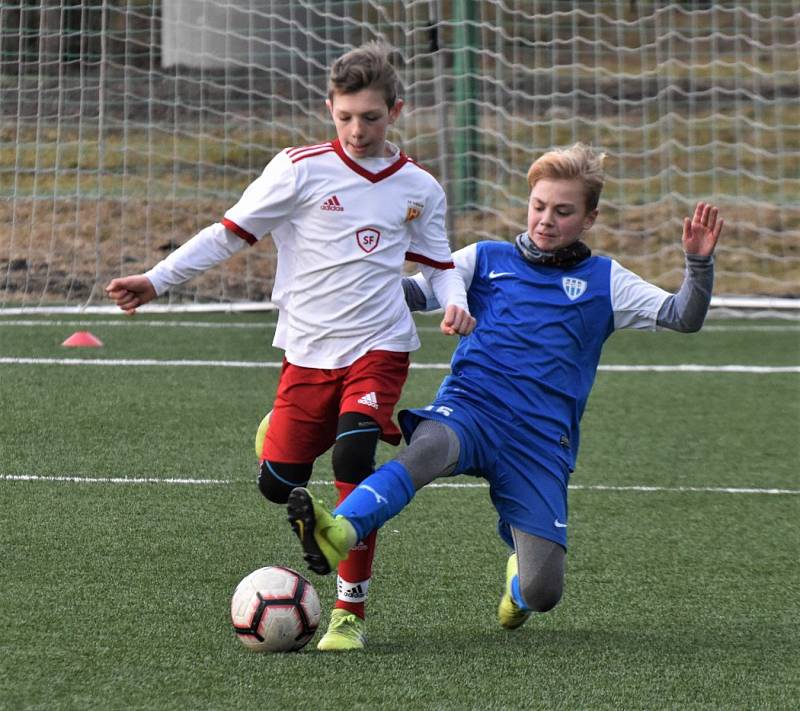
700, 234
131, 292
456, 321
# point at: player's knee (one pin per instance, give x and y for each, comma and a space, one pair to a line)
353, 458
542, 593
277, 479
433, 452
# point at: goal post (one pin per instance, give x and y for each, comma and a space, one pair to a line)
128, 125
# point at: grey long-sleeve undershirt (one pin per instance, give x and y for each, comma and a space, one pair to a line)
686, 310
415, 298
683, 311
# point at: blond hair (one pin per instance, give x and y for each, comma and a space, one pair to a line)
366, 67
579, 162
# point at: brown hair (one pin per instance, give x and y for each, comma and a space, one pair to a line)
366, 67
579, 161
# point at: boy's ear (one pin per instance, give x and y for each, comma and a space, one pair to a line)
329, 104
588, 221
394, 112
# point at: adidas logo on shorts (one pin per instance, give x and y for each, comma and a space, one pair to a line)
370, 400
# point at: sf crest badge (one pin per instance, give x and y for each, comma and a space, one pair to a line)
573, 288
368, 239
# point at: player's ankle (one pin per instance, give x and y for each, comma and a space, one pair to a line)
341, 535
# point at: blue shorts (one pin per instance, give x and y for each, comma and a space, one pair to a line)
526, 472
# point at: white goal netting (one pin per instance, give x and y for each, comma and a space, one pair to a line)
127, 125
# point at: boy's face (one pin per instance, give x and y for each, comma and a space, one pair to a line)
362, 120
557, 214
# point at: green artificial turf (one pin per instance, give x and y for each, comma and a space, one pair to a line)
116, 595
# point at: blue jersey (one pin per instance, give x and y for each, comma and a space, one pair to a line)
520, 381
537, 344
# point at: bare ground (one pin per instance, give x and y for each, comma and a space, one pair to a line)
64, 251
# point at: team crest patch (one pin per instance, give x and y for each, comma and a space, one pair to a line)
368, 239
573, 287
414, 210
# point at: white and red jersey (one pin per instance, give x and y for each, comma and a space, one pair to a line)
342, 232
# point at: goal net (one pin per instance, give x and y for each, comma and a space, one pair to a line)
128, 125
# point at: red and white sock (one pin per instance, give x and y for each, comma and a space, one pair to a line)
355, 571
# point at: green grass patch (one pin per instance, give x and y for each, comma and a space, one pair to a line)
116, 596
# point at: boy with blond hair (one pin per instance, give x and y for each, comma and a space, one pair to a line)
344, 215
511, 407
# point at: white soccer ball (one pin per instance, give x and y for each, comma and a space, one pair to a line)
275, 609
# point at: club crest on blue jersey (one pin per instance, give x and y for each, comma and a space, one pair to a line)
573, 287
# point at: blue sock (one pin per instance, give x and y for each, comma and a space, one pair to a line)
383, 494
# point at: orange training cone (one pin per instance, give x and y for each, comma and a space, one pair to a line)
82, 339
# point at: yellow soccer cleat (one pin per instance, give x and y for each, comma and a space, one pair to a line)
261, 434
326, 539
346, 632
509, 614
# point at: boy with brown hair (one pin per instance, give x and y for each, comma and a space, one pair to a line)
344, 215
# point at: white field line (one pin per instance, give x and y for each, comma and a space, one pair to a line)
264, 325
723, 303
777, 328
130, 362
435, 485
114, 480
695, 368
128, 322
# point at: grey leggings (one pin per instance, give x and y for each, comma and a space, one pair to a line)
433, 453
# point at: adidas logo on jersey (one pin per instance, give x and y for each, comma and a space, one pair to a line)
370, 400
332, 203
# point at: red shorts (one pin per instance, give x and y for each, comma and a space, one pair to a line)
309, 401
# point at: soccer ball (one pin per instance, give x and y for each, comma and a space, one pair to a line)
275, 609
